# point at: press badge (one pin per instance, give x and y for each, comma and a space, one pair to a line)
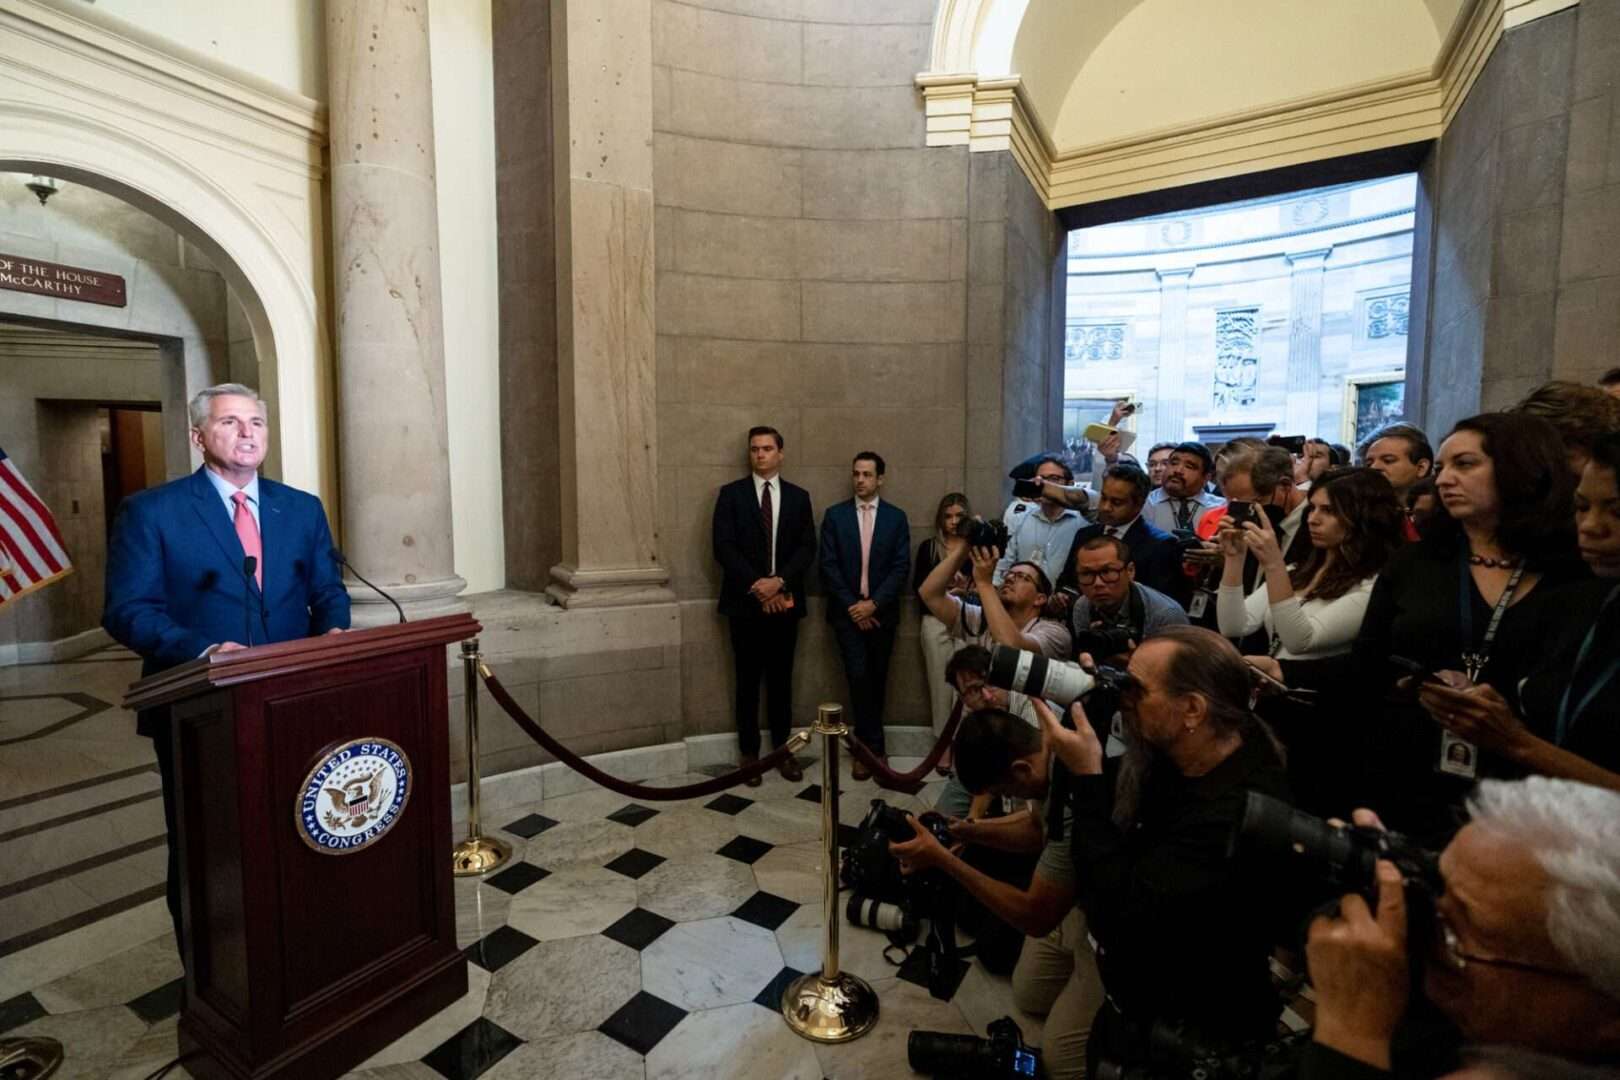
1458, 757
1200, 603
1116, 737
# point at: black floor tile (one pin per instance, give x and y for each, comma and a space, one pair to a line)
638, 929
517, 877
766, 909
810, 794
745, 849
19, 1010
728, 804
642, 1022
771, 996
159, 1004
472, 1051
499, 947
632, 815
529, 827
634, 863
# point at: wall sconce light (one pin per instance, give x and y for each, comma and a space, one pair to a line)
42, 186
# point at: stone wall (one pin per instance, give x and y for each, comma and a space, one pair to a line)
1526, 208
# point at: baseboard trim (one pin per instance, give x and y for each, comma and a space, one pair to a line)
51, 652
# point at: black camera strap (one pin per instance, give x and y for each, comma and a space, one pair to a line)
1474, 657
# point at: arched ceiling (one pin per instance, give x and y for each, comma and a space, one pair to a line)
1098, 71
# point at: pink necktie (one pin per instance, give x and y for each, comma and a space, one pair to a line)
247, 531
866, 546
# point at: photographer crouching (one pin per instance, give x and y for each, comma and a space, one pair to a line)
1000, 753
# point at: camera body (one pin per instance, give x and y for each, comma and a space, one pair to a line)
984, 534
873, 873
1002, 1054
1103, 641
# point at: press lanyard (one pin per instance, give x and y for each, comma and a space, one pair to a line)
1474, 660
1566, 716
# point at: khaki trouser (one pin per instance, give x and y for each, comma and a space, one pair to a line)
937, 648
1056, 977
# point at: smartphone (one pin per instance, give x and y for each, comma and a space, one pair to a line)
1240, 511
1294, 444
1026, 489
1419, 672
1130, 407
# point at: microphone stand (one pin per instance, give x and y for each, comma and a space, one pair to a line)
338, 555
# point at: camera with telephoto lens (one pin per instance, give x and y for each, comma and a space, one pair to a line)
1058, 681
871, 870
1003, 1054
1340, 859
876, 914
984, 534
1100, 641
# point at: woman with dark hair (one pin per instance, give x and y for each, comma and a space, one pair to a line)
1312, 613
1476, 597
1313, 610
937, 644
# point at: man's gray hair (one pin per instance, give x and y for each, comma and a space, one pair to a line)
200, 407
1574, 831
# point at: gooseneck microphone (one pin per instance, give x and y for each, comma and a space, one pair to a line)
338, 555
250, 565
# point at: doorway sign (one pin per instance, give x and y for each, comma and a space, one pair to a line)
23, 274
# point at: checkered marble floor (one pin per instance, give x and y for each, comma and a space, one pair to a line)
622, 941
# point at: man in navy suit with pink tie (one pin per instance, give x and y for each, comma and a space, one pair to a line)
865, 559
217, 561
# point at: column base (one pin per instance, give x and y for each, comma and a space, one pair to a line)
574, 588
420, 600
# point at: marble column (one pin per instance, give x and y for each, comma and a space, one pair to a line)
1170, 424
606, 375
392, 433
1304, 341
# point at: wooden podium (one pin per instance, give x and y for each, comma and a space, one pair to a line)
312, 794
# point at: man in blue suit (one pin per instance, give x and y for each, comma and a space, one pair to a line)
217, 561
865, 557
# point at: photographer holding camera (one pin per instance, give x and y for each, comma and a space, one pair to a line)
999, 753
1009, 614
1114, 609
1184, 932
1520, 948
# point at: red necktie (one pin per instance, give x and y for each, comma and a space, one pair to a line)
247, 531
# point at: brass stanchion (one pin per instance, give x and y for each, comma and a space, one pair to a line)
32, 1058
477, 854
833, 1006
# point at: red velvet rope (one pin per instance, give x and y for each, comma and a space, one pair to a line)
625, 787
913, 781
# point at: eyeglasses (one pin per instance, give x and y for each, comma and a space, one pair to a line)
1021, 575
1455, 958
1109, 574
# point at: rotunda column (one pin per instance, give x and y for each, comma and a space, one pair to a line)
393, 445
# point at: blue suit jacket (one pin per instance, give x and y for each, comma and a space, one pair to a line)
174, 572
841, 560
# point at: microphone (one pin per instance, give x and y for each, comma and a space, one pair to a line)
338, 555
250, 565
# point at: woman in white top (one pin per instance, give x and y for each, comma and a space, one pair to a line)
1312, 611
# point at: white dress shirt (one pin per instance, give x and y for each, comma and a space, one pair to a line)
776, 507
227, 493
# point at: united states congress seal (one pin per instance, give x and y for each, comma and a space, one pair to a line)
354, 794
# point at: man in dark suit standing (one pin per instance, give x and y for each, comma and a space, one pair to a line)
765, 541
865, 556
1154, 552
217, 561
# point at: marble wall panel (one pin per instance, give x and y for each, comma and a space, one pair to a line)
722, 43
917, 12
728, 177
1587, 331
843, 55
779, 114
883, 312
914, 436
878, 250
1591, 244
874, 185
708, 306
734, 245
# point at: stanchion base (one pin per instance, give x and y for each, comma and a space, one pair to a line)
478, 855
830, 1011
30, 1058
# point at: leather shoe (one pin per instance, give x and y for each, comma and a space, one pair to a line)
743, 763
858, 770
791, 770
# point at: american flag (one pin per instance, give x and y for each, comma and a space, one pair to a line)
31, 551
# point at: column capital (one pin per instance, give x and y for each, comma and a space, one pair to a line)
1308, 260
1170, 277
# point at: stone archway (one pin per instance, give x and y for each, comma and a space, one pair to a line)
143, 175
